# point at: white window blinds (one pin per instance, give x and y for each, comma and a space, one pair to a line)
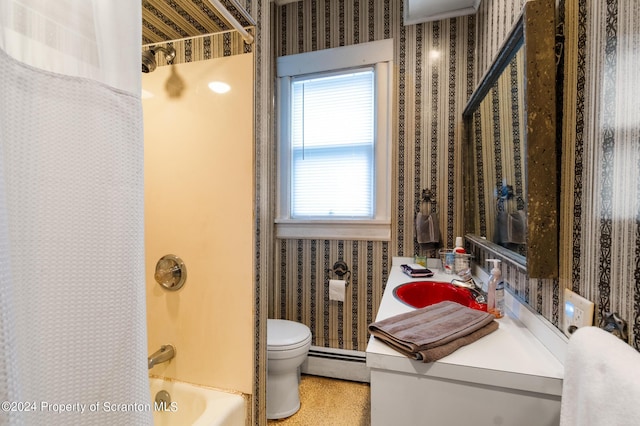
333, 145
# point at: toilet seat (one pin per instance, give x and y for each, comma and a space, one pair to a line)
285, 335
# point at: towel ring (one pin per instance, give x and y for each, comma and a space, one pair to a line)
428, 197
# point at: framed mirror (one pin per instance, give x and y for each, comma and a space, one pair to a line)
511, 160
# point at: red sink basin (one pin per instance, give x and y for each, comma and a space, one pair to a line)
424, 293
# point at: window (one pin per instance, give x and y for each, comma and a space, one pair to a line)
334, 143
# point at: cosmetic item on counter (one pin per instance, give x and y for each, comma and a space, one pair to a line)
420, 260
415, 270
459, 248
460, 262
495, 290
447, 256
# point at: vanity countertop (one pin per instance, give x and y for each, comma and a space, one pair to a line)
511, 357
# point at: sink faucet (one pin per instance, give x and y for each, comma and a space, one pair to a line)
164, 354
468, 283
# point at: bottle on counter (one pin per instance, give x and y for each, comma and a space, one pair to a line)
460, 263
495, 290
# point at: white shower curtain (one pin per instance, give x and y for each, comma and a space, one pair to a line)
72, 300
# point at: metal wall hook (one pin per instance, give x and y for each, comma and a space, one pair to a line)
506, 192
615, 325
427, 197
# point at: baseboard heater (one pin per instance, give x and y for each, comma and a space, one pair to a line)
337, 363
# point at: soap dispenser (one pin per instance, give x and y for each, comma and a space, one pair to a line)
495, 290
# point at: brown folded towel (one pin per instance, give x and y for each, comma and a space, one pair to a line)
435, 331
434, 354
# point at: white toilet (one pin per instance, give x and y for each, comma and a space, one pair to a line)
288, 344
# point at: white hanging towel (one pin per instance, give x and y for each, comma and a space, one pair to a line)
601, 381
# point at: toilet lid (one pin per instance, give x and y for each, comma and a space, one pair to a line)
284, 334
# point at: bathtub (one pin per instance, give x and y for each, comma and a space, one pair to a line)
195, 405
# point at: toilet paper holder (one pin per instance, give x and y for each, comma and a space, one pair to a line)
340, 269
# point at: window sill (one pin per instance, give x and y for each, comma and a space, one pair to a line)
368, 230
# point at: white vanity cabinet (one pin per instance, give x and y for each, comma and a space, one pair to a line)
506, 378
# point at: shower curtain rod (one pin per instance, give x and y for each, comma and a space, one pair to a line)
246, 36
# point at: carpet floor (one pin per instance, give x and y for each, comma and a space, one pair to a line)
330, 402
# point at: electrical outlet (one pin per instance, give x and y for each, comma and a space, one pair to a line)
578, 312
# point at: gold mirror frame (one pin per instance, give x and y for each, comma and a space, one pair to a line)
534, 32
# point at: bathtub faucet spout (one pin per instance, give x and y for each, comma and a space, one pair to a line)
164, 354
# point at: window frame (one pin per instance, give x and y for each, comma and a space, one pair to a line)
378, 54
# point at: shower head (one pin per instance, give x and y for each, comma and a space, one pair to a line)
148, 61
149, 57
